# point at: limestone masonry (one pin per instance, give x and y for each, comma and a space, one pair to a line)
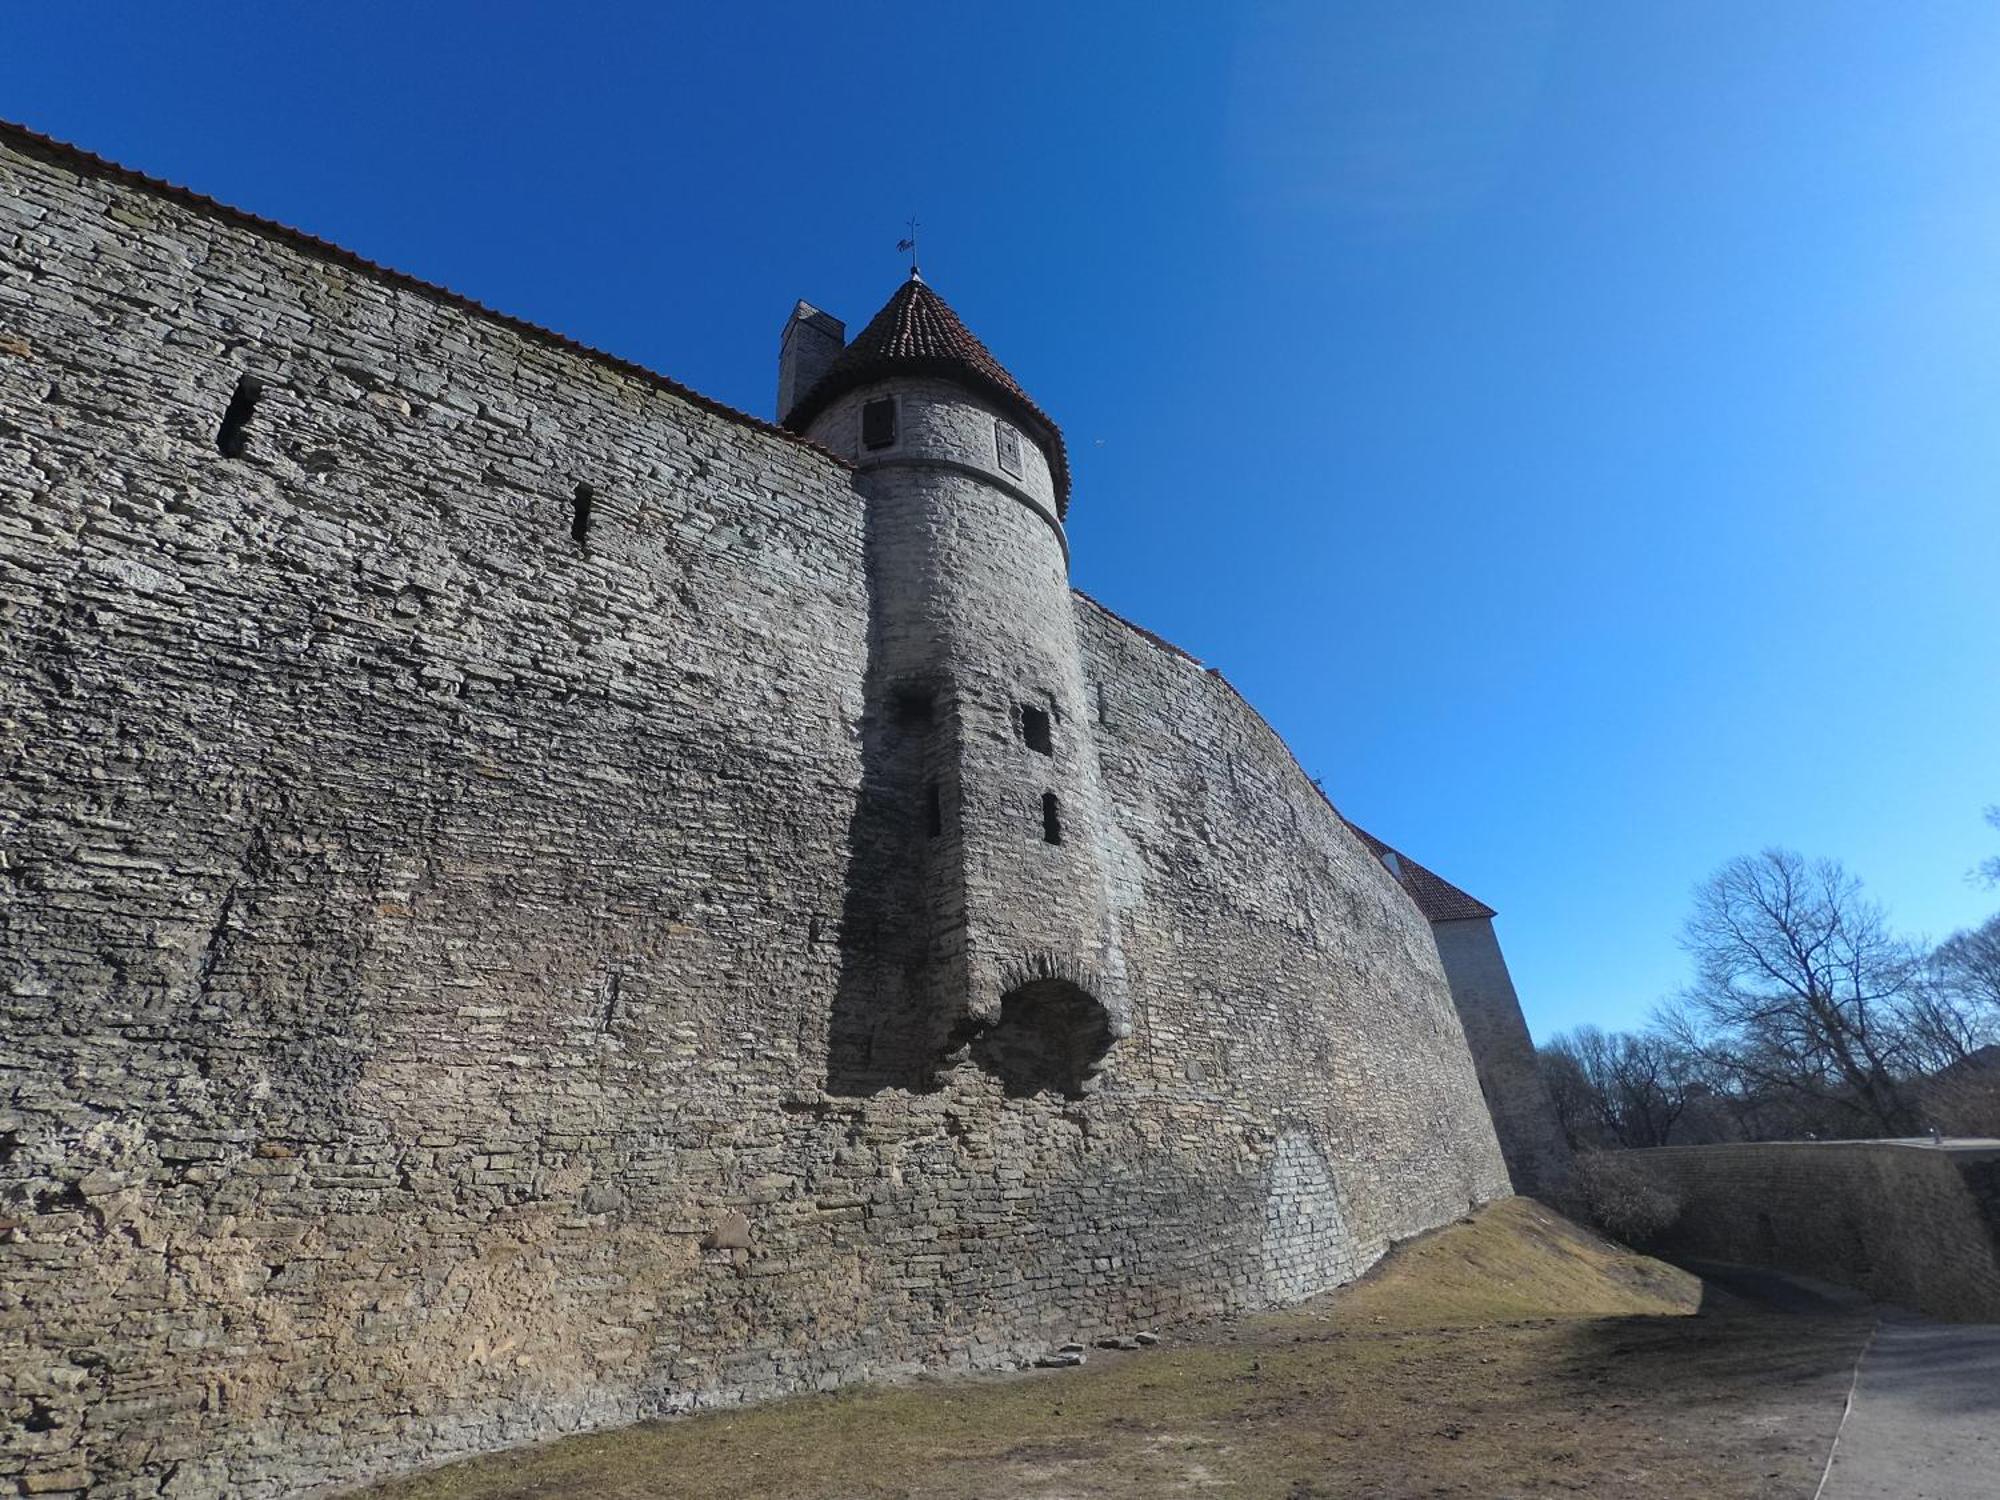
1913, 1224
530, 900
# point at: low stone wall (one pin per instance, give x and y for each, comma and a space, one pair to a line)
1911, 1224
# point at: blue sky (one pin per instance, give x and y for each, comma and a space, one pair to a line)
1575, 426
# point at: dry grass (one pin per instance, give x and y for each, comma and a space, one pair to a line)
1508, 1355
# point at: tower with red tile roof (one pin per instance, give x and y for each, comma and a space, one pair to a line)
979, 875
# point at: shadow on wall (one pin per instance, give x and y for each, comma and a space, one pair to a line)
1050, 1037
898, 1023
1902, 1223
889, 1027
902, 1012
886, 1030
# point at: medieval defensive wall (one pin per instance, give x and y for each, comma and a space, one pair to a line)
482, 956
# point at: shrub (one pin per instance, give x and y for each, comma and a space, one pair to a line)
1621, 1199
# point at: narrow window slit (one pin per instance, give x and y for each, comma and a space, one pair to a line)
1035, 730
231, 440
1051, 819
579, 514
1007, 447
933, 810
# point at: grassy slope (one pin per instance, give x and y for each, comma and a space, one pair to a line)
1510, 1354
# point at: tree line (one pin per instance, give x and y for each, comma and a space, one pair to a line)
1809, 1016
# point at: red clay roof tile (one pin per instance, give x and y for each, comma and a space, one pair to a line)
917, 333
1437, 898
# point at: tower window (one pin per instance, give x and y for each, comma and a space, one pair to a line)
1007, 443
878, 423
579, 514
231, 440
910, 707
1051, 819
1035, 730
933, 810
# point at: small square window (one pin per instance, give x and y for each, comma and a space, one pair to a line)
1008, 444
1035, 730
878, 423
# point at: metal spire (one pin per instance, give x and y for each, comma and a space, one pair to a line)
910, 245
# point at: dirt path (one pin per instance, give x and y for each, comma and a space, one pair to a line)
1508, 1356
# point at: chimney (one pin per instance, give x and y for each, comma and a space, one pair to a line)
812, 341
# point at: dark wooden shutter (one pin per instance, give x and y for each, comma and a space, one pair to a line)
878, 423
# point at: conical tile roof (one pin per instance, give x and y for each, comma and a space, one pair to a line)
917, 333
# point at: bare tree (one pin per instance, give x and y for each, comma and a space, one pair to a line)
1618, 1088
1578, 1105
1938, 1031
1966, 966
1808, 1016
1989, 869
1799, 979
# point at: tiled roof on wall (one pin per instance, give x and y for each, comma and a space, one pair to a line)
917, 333
1437, 898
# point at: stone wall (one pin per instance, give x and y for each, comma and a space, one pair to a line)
1538, 1158
1273, 964
426, 897
1910, 1224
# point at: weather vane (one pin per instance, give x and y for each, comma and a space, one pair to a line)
910, 245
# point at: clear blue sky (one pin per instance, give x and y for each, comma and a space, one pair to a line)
1575, 426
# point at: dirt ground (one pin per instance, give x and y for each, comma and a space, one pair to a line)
1507, 1355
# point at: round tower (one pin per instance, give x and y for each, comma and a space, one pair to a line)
987, 936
